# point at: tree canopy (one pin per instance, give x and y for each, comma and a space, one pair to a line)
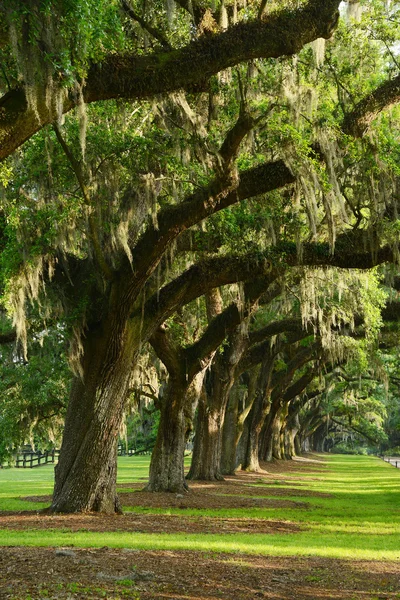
218, 179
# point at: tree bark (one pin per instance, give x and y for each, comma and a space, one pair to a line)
297, 443
292, 447
85, 476
259, 411
230, 433
177, 411
239, 407
207, 442
319, 438
186, 368
386, 95
282, 419
207, 450
273, 434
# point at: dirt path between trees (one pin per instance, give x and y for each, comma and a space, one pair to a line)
115, 574
40, 573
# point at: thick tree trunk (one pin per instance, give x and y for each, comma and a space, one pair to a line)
292, 447
260, 409
85, 477
251, 461
319, 438
283, 416
167, 460
206, 457
297, 444
268, 450
230, 437
237, 413
276, 436
206, 460
241, 449
177, 411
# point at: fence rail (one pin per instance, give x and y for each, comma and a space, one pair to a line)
392, 460
134, 452
29, 460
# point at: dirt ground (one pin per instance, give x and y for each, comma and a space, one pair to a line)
66, 574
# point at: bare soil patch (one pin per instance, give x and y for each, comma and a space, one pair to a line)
39, 573
139, 523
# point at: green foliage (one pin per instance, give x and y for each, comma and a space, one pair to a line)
393, 451
349, 448
141, 430
59, 39
33, 395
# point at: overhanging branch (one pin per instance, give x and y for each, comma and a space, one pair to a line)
356, 122
188, 68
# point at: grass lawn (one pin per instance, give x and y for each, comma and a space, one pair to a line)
301, 530
359, 520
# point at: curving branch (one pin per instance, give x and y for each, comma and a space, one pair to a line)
218, 271
155, 33
219, 194
357, 122
188, 68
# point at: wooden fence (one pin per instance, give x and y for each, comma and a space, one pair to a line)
392, 460
29, 460
134, 452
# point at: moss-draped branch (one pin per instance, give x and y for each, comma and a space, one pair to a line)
188, 68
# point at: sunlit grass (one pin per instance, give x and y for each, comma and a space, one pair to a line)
360, 519
334, 546
17, 483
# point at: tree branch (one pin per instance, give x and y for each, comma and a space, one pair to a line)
357, 122
94, 233
218, 271
155, 33
173, 220
166, 350
348, 426
188, 68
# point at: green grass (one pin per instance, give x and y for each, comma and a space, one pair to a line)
18, 483
360, 520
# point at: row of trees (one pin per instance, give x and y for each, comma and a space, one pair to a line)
216, 189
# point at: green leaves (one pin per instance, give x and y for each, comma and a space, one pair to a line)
33, 394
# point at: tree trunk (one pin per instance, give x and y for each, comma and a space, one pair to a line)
292, 447
237, 413
241, 449
276, 435
297, 444
85, 477
207, 450
256, 420
251, 461
260, 409
319, 438
207, 442
282, 422
230, 437
268, 443
177, 411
